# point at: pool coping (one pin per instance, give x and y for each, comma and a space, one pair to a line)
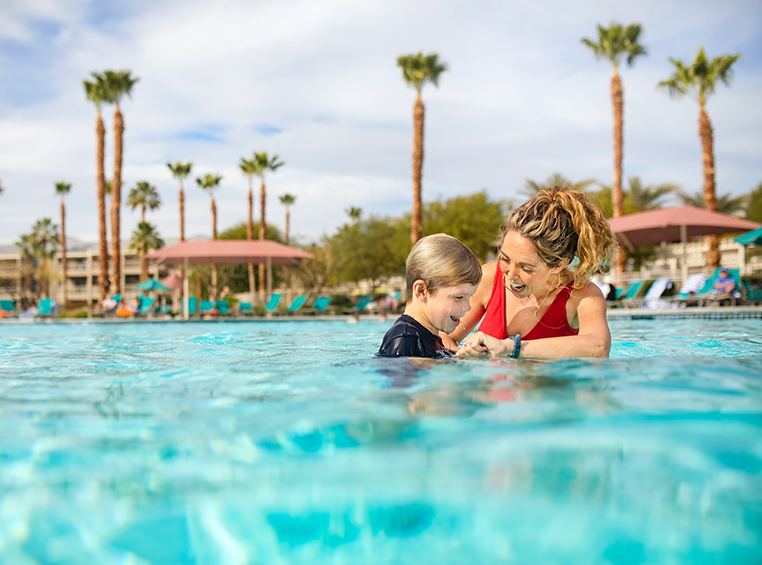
711, 313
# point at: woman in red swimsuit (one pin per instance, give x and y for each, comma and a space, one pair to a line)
532, 303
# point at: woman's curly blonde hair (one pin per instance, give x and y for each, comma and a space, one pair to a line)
563, 224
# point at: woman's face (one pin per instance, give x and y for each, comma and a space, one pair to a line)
525, 273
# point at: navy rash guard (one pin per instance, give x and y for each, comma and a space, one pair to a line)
408, 338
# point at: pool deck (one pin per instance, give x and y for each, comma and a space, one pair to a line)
710, 313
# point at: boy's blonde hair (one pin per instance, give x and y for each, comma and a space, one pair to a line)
440, 260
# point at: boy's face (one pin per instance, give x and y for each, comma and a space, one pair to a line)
446, 306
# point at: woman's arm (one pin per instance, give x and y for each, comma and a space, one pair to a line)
478, 304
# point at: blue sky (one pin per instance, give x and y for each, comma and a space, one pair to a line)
316, 82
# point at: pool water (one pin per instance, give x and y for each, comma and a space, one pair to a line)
288, 442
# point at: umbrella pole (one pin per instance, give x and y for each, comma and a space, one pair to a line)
185, 291
269, 276
683, 239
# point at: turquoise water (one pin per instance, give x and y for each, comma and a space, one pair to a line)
287, 442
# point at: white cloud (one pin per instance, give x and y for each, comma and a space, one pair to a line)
523, 98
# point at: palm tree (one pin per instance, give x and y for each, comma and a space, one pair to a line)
354, 213
25, 245
97, 93
210, 182
44, 234
613, 44
180, 171
417, 70
250, 168
287, 200
144, 239
699, 81
62, 189
264, 164
639, 198
726, 203
1, 187
531, 188
118, 84
144, 195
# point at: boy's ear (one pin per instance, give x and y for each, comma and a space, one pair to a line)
419, 290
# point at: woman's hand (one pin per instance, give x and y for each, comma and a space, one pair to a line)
483, 344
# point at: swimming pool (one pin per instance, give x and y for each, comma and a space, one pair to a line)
287, 442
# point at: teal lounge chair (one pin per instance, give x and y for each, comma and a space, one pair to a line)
692, 290
45, 308
145, 305
652, 300
244, 308
297, 304
629, 298
321, 304
9, 307
206, 307
361, 306
192, 302
708, 299
273, 303
222, 307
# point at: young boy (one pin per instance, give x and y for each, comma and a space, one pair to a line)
441, 276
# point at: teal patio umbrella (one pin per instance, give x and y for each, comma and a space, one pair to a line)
750, 238
151, 284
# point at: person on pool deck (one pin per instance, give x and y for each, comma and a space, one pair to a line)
533, 304
724, 285
441, 276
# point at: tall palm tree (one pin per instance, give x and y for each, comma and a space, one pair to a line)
531, 188
44, 234
265, 164
97, 93
25, 245
145, 239
250, 168
144, 195
698, 81
417, 70
62, 189
180, 171
287, 200
614, 43
726, 203
210, 182
118, 84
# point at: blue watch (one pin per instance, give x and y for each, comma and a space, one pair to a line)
516, 346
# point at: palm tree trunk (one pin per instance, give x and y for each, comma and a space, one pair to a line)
143, 214
181, 199
710, 195
143, 267
617, 195
288, 228
100, 131
249, 236
262, 232
116, 199
63, 253
418, 117
213, 292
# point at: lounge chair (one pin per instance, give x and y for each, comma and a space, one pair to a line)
146, 305
272, 304
694, 287
244, 308
710, 300
630, 297
7, 308
361, 307
192, 303
222, 307
46, 308
321, 304
206, 307
653, 300
297, 304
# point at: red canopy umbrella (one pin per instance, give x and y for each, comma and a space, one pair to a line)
676, 224
172, 281
230, 251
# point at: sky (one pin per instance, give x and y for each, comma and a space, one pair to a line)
316, 82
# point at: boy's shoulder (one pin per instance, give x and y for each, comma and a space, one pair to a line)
404, 339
